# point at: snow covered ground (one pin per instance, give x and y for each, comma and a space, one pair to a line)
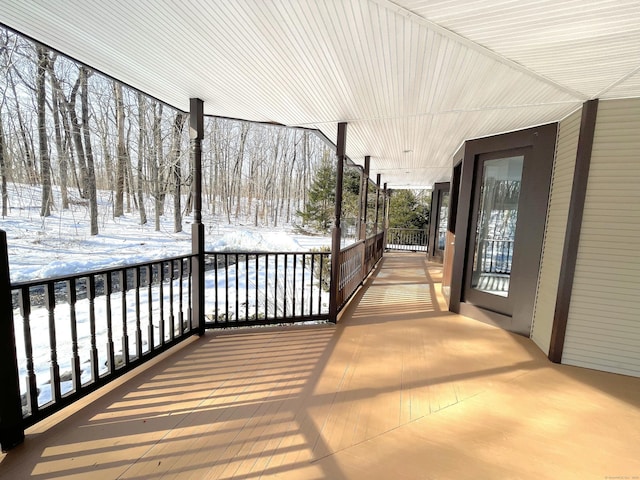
60, 245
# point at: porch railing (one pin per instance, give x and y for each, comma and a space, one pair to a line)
374, 249
355, 263
75, 333
258, 288
415, 240
495, 256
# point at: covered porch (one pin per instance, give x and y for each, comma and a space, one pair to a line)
399, 388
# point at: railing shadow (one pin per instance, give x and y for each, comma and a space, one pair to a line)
161, 405
230, 391
267, 401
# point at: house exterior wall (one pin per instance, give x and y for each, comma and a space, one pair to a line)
603, 325
558, 210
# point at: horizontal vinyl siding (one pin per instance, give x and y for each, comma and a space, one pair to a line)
603, 328
558, 210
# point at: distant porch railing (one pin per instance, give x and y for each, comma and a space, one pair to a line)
355, 264
412, 239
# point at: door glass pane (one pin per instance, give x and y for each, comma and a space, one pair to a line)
496, 225
443, 217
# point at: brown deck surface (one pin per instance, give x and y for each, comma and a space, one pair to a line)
400, 389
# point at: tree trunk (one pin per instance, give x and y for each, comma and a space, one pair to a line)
32, 171
239, 165
76, 134
118, 208
251, 189
68, 135
91, 175
156, 161
213, 169
305, 174
189, 183
128, 176
215, 186
289, 177
63, 161
3, 173
178, 125
142, 125
43, 141
105, 141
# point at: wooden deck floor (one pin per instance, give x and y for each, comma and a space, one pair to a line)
399, 389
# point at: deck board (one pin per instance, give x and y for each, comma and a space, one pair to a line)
400, 388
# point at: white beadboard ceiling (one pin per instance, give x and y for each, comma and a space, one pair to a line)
413, 78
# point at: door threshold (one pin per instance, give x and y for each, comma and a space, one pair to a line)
490, 317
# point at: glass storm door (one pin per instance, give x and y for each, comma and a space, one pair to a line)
443, 217
439, 221
492, 240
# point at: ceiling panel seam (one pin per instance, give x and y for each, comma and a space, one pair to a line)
436, 114
618, 82
400, 10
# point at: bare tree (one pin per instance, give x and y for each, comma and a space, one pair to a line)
76, 134
61, 149
118, 209
66, 137
237, 168
91, 177
10, 48
253, 173
142, 125
156, 160
3, 170
43, 141
178, 125
128, 177
3, 157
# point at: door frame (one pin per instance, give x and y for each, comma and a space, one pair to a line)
534, 198
439, 189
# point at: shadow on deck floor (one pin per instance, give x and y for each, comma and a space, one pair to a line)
399, 389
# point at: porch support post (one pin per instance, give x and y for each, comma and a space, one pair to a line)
11, 425
385, 213
574, 225
375, 228
196, 134
364, 198
337, 231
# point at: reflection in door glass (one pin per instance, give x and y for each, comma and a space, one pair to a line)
496, 225
443, 217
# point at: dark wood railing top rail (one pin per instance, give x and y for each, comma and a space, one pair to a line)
75, 276
262, 252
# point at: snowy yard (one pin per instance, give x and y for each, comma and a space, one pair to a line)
61, 244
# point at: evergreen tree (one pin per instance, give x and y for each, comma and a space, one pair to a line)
350, 193
319, 208
408, 210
